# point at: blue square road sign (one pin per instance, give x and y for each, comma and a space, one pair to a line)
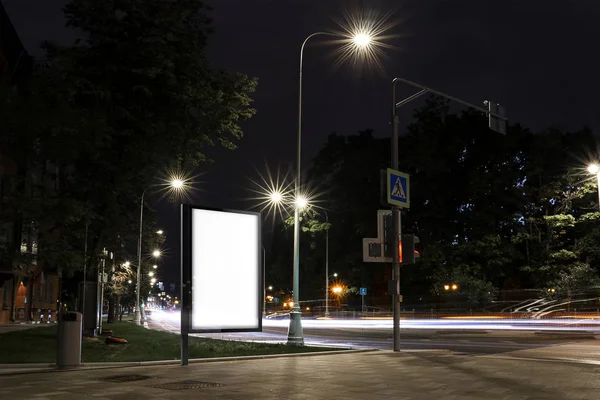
363, 291
398, 188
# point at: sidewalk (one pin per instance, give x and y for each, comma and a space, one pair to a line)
18, 326
366, 375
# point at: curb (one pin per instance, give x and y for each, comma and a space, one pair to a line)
23, 369
568, 335
561, 360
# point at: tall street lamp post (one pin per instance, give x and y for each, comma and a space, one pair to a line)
326, 265
295, 334
176, 184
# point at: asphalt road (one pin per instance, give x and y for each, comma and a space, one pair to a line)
470, 342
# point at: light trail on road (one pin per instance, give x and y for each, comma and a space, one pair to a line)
463, 323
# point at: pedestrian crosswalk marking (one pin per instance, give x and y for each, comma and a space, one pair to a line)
398, 191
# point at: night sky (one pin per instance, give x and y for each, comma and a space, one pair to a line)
537, 58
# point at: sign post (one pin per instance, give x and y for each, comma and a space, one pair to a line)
363, 292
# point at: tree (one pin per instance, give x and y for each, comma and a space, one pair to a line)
134, 98
495, 212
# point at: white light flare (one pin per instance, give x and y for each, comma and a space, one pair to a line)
273, 193
363, 36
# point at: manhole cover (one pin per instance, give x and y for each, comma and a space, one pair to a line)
125, 378
184, 385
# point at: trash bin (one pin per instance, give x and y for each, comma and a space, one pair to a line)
69, 340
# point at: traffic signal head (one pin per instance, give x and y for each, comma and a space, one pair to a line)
407, 249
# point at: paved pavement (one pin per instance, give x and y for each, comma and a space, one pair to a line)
366, 375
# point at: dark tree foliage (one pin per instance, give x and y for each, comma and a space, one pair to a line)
493, 212
111, 115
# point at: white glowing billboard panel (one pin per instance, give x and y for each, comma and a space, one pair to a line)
226, 273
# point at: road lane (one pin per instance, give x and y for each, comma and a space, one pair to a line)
378, 336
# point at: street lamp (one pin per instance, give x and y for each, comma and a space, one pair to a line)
326, 265
276, 197
594, 169
361, 40
177, 185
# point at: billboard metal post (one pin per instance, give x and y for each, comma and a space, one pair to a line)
186, 267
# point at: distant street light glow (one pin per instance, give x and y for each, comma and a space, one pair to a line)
595, 169
156, 253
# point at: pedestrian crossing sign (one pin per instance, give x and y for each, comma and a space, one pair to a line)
398, 188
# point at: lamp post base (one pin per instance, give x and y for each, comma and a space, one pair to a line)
137, 318
295, 334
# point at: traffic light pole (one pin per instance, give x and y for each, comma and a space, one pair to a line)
497, 122
396, 223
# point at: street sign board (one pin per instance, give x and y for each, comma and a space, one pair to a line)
363, 291
398, 188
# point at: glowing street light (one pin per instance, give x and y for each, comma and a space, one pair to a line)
159, 232
150, 274
276, 197
127, 264
301, 202
177, 184
360, 37
155, 266
594, 169
156, 253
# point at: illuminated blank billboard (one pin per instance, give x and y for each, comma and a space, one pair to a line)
226, 270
